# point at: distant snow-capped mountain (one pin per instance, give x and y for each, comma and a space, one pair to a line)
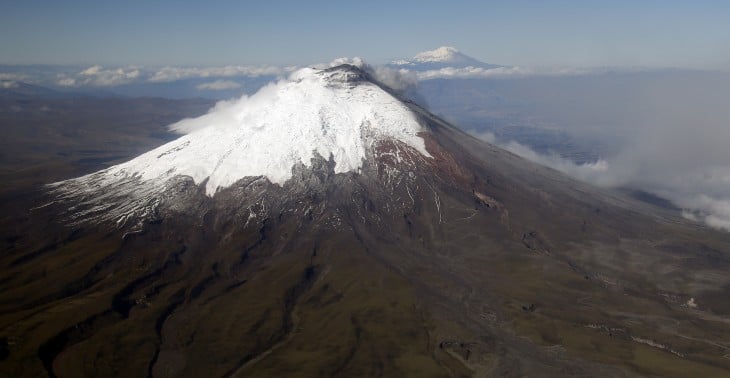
444, 56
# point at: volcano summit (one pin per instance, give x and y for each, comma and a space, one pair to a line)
326, 226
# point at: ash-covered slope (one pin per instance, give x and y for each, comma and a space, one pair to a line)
422, 252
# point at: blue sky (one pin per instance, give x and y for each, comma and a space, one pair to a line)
531, 33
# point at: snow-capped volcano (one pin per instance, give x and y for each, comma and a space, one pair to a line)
444, 56
338, 113
330, 112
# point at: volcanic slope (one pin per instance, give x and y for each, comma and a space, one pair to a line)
416, 251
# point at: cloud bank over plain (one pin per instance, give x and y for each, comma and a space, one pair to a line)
100, 76
219, 85
168, 74
703, 192
674, 130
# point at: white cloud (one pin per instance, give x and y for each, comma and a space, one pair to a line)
66, 82
594, 172
473, 72
218, 85
8, 76
703, 192
401, 62
168, 74
397, 79
91, 71
98, 76
714, 211
7, 84
512, 72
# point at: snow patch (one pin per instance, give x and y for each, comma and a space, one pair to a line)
691, 303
